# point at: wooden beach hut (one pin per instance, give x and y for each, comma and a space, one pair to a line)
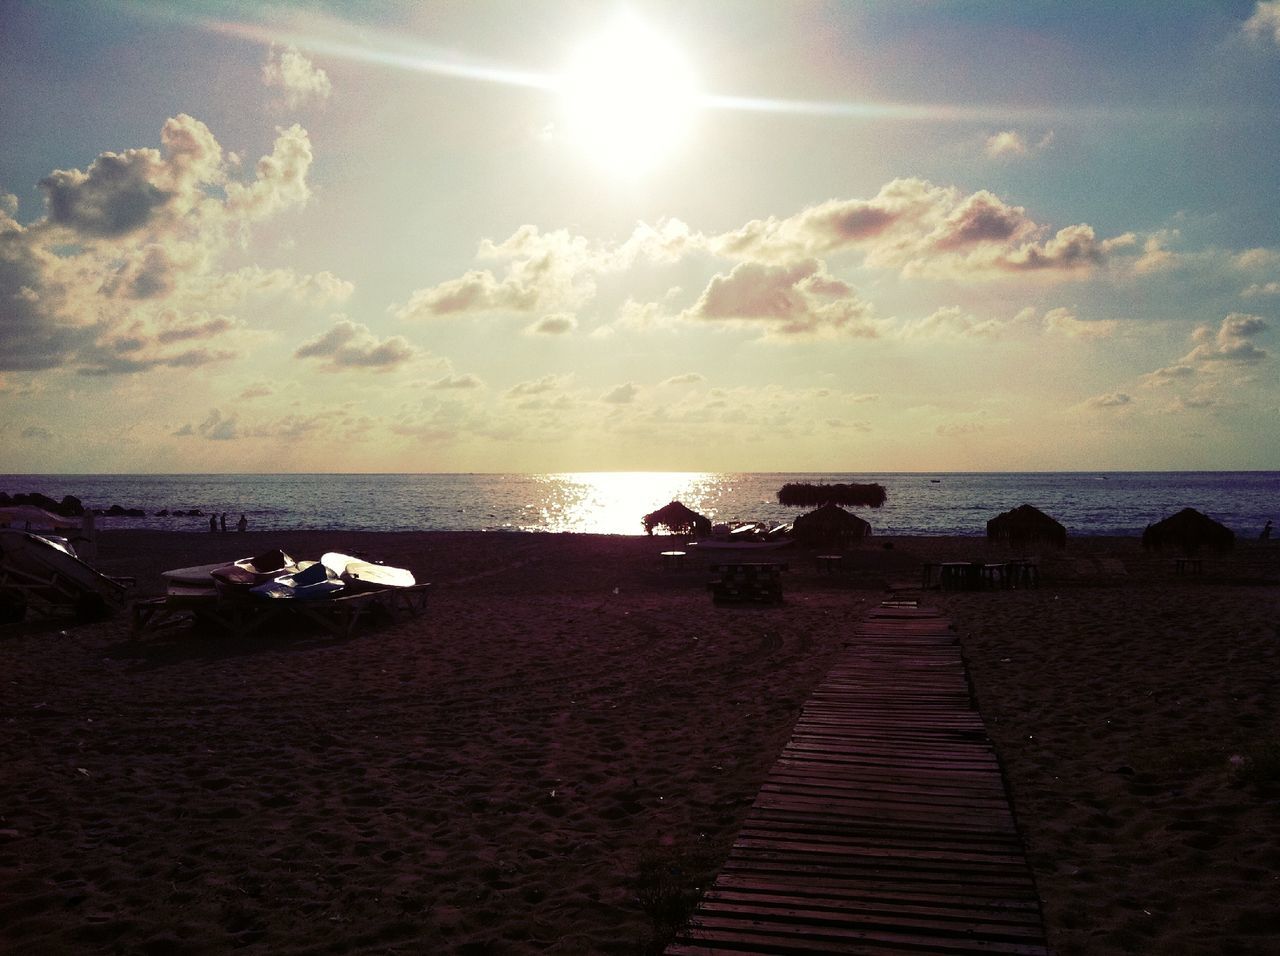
1189, 530
678, 519
1026, 525
830, 526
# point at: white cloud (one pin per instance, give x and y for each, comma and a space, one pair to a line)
1169, 375
544, 272
1062, 321
1110, 400
456, 383
217, 428
923, 230
1264, 23
951, 321
300, 80
688, 378
539, 386
1011, 144
800, 300
560, 323
1260, 288
1005, 144
623, 394
1231, 343
349, 345
123, 261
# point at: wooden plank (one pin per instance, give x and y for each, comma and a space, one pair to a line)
884, 826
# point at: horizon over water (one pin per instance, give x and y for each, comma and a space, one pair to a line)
919, 503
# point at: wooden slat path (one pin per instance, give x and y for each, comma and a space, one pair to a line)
884, 827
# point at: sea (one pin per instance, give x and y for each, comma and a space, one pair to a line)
919, 503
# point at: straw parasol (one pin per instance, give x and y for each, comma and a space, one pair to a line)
1026, 525
807, 495
1190, 531
678, 519
830, 525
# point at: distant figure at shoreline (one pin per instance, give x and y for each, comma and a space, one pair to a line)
1266, 531
242, 524
213, 523
223, 521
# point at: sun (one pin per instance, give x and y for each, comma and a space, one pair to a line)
628, 97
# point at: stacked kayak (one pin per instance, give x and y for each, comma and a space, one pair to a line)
274, 575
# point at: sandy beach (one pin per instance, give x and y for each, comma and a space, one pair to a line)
564, 746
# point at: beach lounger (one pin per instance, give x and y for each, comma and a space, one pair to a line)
43, 575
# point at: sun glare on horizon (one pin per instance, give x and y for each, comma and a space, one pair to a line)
628, 98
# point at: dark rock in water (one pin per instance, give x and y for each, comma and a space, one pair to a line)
163, 513
68, 507
117, 511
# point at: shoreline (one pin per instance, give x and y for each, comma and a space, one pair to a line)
516, 770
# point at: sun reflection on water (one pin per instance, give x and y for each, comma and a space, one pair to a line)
614, 502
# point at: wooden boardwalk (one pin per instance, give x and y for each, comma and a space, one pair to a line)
884, 827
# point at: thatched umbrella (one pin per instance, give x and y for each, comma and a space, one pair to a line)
830, 525
806, 495
678, 519
1026, 525
1190, 531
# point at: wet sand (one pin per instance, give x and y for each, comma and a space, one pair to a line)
559, 752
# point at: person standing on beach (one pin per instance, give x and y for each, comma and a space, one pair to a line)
213, 523
1266, 531
242, 524
223, 521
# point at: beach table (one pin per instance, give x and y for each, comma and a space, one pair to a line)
1188, 566
829, 563
673, 560
1023, 573
747, 581
960, 576
928, 571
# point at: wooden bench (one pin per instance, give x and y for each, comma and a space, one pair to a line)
747, 581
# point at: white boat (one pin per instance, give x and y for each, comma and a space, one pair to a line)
357, 573
247, 573
310, 581
197, 575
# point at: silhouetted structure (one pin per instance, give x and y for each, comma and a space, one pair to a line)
805, 495
830, 526
1026, 525
1190, 531
678, 519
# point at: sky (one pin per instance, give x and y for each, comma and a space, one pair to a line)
570, 236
